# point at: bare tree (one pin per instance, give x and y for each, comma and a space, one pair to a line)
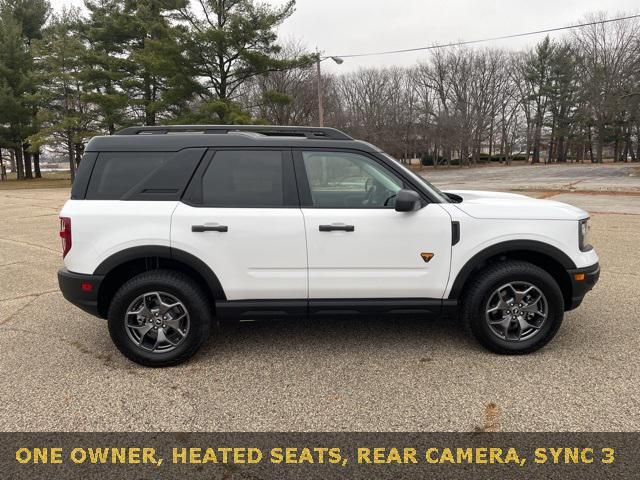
608, 62
286, 97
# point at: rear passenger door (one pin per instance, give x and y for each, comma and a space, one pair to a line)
241, 216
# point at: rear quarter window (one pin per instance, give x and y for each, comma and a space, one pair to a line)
83, 174
115, 173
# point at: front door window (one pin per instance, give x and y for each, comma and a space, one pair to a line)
349, 180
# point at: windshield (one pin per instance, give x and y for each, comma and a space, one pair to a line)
435, 192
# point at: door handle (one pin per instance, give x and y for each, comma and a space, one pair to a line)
209, 228
340, 228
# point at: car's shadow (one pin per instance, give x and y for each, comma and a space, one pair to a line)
337, 334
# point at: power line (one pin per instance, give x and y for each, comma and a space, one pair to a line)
468, 42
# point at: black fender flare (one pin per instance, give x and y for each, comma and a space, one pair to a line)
504, 248
159, 251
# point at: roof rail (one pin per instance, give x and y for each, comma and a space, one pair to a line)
267, 130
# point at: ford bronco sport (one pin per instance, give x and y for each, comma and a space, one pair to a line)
170, 229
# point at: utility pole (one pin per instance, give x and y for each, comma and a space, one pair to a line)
320, 106
319, 59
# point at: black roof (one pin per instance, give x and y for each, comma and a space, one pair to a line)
176, 137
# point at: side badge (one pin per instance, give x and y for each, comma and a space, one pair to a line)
426, 256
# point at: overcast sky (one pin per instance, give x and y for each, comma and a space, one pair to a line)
340, 27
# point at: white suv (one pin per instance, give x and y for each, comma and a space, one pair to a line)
169, 229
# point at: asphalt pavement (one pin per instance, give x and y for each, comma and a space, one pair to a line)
567, 177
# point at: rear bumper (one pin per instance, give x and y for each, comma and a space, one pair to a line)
71, 285
579, 288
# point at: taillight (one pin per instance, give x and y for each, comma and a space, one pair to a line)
65, 235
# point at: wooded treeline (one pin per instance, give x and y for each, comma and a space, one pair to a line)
68, 76
572, 99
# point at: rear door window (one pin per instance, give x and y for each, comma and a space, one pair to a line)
246, 179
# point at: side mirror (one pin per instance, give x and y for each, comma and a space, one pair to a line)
407, 201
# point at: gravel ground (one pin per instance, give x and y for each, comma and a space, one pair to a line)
61, 372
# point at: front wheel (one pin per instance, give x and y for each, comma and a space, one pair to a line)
159, 318
513, 307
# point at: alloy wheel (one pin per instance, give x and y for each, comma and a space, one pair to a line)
157, 322
516, 311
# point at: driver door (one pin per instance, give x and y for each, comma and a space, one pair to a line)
358, 246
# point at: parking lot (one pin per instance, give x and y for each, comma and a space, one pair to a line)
60, 370
568, 177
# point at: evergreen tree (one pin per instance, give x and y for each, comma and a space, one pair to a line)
162, 79
135, 62
31, 16
105, 35
538, 73
15, 84
65, 118
232, 42
562, 101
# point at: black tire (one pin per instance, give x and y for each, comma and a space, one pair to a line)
177, 285
487, 281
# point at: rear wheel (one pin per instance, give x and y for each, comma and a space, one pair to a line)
159, 318
513, 307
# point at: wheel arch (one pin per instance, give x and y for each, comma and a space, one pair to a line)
549, 258
123, 265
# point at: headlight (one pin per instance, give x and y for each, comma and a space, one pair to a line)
583, 230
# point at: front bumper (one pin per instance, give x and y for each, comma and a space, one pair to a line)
579, 288
74, 287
